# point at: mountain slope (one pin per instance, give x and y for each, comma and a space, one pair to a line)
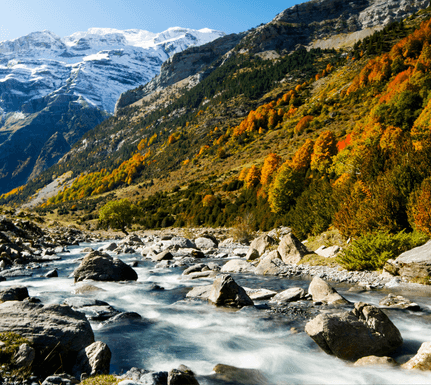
86, 72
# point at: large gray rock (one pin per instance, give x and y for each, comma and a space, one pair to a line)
351, 335
202, 292
182, 242
163, 256
320, 291
237, 266
14, 293
58, 333
415, 263
262, 244
291, 249
102, 267
232, 374
205, 243
259, 294
226, 292
182, 376
375, 360
270, 264
289, 295
94, 359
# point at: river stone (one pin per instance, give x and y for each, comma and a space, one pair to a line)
14, 293
270, 264
364, 331
375, 360
201, 274
86, 288
61, 379
259, 294
57, 332
322, 292
399, 302
422, 359
109, 247
291, 249
94, 359
102, 267
140, 376
415, 263
24, 356
202, 292
252, 254
226, 292
94, 309
183, 242
182, 376
195, 268
241, 376
237, 266
51, 274
262, 244
328, 252
87, 250
163, 256
205, 243
289, 295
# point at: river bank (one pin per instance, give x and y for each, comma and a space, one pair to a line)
160, 326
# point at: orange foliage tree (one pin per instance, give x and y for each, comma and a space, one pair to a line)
303, 124
270, 165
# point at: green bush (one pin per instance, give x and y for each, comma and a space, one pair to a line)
371, 251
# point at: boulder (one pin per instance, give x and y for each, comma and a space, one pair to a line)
102, 267
289, 295
58, 333
291, 249
94, 359
182, 242
422, 359
351, 335
252, 254
237, 266
226, 292
137, 376
163, 256
205, 243
14, 293
94, 309
109, 247
320, 291
415, 263
399, 302
197, 254
262, 244
270, 264
182, 376
61, 379
239, 376
375, 360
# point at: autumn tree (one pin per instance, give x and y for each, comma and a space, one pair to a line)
303, 124
253, 177
270, 165
117, 214
323, 151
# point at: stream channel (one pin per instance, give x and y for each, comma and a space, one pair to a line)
177, 330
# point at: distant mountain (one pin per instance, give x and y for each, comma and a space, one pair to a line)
53, 90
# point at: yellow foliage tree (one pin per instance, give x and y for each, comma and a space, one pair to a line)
270, 165
323, 151
253, 177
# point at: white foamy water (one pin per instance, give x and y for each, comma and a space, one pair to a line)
179, 331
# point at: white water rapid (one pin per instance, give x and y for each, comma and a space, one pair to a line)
178, 331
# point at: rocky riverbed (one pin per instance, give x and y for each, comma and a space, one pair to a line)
164, 308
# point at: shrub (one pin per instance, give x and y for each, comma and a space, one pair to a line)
371, 251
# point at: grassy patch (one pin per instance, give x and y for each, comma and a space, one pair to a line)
317, 260
105, 379
371, 251
327, 239
12, 343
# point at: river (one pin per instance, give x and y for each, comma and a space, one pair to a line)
176, 330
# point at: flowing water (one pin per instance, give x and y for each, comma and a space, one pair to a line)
178, 331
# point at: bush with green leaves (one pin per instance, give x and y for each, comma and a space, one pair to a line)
118, 214
371, 251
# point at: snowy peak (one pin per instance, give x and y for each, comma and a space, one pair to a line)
98, 64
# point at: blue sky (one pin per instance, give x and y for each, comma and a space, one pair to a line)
63, 17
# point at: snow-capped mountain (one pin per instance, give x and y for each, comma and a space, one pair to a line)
53, 90
98, 64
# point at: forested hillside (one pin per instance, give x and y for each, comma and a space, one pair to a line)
314, 139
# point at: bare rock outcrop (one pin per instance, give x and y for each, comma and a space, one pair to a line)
226, 292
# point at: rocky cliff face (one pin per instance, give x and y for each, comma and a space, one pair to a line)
297, 26
53, 90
